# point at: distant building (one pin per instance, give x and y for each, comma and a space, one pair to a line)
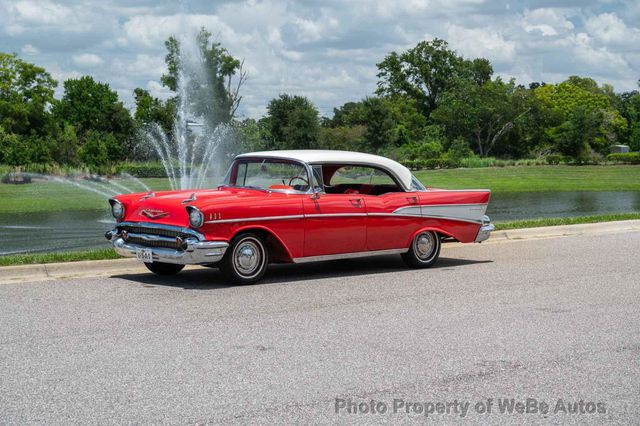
619, 149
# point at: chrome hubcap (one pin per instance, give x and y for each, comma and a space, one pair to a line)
424, 245
247, 258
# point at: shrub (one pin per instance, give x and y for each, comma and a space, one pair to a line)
142, 170
626, 158
432, 163
554, 159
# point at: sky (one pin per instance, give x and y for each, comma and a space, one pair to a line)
325, 50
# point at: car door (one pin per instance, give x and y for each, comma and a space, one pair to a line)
392, 219
334, 224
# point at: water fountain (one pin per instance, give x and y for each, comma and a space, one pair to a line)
190, 156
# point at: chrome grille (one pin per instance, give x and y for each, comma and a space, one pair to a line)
153, 231
156, 235
152, 243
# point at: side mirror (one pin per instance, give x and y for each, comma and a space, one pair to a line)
316, 194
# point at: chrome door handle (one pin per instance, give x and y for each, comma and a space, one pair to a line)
356, 201
412, 200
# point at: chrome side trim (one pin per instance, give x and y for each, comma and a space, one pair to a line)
254, 219
409, 211
462, 212
348, 255
334, 215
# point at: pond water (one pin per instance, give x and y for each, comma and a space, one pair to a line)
77, 230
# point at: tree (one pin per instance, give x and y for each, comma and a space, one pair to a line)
345, 138
584, 96
100, 149
484, 113
216, 94
153, 110
26, 94
293, 123
426, 71
90, 105
349, 114
629, 107
66, 148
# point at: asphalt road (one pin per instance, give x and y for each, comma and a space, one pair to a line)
544, 319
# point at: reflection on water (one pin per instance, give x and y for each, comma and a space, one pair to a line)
535, 205
77, 230
53, 231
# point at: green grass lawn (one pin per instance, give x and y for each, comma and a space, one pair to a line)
51, 196
536, 178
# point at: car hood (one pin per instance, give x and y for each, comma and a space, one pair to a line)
169, 207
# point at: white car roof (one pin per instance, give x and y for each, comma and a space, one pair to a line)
325, 156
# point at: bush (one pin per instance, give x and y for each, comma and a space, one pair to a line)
142, 170
554, 159
626, 158
432, 163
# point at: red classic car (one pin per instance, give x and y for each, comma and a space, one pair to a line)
297, 206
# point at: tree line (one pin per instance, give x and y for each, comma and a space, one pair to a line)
431, 105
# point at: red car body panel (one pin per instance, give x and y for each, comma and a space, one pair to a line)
303, 226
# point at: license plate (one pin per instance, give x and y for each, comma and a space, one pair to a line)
144, 255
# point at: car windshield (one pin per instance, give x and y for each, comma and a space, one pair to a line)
268, 174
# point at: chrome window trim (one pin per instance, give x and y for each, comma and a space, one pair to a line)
395, 177
290, 160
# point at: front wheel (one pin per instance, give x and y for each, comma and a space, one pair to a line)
160, 268
424, 250
245, 262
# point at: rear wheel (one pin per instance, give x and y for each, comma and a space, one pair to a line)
245, 261
160, 268
424, 250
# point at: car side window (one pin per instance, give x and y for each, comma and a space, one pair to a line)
360, 175
361, 180
318, 182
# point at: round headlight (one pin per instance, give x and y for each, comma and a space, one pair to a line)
196, 218
117, 209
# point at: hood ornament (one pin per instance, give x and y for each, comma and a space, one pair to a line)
154, 214
148, 195
191, 198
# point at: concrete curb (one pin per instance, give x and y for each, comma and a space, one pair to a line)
53, 271
564, 231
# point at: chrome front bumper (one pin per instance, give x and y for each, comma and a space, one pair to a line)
485, 230
194, 253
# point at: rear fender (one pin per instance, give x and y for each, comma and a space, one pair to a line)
436, 229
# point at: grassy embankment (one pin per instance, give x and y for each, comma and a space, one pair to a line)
54, 196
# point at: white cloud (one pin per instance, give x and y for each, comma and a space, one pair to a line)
480, 43
87, 59
609, 28
29, 49
325, 50
548, 21
41, 12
